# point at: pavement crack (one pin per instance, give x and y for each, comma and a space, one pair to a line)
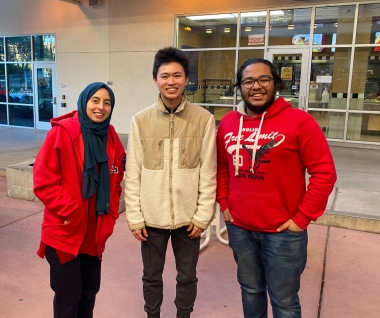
25, 217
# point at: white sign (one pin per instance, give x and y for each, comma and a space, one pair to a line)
324, 79
64, 86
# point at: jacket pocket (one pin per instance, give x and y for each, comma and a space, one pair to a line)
153, 153
257, 211
190, 151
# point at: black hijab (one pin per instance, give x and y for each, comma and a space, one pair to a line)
95, 145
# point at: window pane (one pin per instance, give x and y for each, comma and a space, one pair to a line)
1, 49
20, 115
44, 47
3, 114
3, 86
364, 127
289, 27
334, 24
207, 31
249, 54
365, 79
328, 78
252, 28
211, 77
331, 123
20, 83
19, 49
368, 31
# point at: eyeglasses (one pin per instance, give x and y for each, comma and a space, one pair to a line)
262, 81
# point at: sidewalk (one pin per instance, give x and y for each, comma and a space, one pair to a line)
341, 278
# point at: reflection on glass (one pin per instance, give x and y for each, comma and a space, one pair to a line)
366, 80
1, 49
3, 86
3, 114
45, 94
19, 49
207, 31
328, 78
44, 47
20, 83
334, 24
252, 28
211, 77
368, 30
289, 27
331, 123
20, 115
364, 127
218, 112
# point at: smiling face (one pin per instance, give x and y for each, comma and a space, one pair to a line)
98, 107
171, 82
257, 98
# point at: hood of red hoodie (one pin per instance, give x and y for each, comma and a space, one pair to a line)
278, 106
69, 122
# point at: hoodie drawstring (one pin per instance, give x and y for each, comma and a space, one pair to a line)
238, 146
256, 142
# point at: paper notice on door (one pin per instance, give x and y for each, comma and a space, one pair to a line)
286, 73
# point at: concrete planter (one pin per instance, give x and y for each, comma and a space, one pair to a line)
20, 183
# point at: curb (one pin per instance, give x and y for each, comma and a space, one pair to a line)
356, 223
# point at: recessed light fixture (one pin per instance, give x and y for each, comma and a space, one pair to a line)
187, 28
208, 30
227, 30
247, 29
290, 26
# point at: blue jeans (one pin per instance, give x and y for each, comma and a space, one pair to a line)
269, 261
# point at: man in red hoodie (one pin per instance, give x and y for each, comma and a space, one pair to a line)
265, 148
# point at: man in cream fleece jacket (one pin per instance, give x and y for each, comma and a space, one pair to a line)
170, 183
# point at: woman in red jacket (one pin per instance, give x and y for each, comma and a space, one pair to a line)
77, 175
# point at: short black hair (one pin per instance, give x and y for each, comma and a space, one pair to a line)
170, 54
278, 84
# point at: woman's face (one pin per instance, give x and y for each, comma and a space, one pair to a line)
98, 107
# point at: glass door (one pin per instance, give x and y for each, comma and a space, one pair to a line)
293, 67
45, 105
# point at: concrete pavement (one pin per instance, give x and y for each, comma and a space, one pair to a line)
341, 278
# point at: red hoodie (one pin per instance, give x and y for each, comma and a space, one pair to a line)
57, 174
264, 195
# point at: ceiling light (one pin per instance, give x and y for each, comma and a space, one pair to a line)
208, 30
227, 30
290, 26
211, 17
247, 29
187, 28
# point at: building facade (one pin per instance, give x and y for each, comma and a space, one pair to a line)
328, 56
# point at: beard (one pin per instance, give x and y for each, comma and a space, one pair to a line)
258, 109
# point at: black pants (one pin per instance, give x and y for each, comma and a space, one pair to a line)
186, 253
74, 283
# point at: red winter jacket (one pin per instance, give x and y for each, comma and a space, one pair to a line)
57, 174
264, 194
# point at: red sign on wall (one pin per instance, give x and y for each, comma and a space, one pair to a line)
256, 39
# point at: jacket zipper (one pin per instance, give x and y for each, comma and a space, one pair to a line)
171, 127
